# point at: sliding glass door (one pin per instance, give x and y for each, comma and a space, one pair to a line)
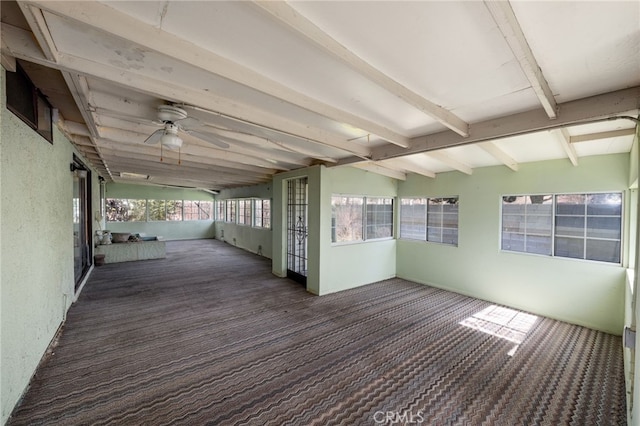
82, 230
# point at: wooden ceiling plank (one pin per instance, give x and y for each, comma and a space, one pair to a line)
113, 22
287, 15
508, 24
499, 154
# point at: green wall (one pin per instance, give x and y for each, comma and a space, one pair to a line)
345, 266
580, 292
169, 230
36, 248
255, 240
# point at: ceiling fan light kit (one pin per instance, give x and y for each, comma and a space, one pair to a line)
170, 138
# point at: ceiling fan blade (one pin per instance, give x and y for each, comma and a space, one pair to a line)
188, 123
154, 138
209, 138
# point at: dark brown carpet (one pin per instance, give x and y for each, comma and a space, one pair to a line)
209, 336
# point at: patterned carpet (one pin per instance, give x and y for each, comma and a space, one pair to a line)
209, 336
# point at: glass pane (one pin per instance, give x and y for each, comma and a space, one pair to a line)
157, 210
450, 220
174, 210
512, 241
434, 219
571, 204
540, 225
570, 247
570, 226
413, 218
603, 227
512, 204
346, 218
605, 251
538, 244
513, 223
434, 234
450, 236
604, 204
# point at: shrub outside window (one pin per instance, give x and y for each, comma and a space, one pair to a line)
174, 210
132, 210
125, 210
157, 210
346, 219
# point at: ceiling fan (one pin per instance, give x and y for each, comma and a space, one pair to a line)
175, 120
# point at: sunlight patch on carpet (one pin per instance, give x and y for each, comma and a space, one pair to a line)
505, 323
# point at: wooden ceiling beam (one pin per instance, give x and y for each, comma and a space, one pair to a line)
562, 135
451, 162
604, 107
496, 152
380, 169
507, 22
409, 166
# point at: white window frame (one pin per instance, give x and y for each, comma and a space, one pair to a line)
363, 230
425, 220
584, 237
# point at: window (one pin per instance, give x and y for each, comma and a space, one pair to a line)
360, 218
379, 218
527, 223
430, 219
346, 219
413, 218
157, 210
262, 213
125, 210
198, 210
28, 104
220, 206
244, 212
579, 226
231, 211
174, 209
589, 226
442, 220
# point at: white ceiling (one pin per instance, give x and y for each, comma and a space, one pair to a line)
394, 87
